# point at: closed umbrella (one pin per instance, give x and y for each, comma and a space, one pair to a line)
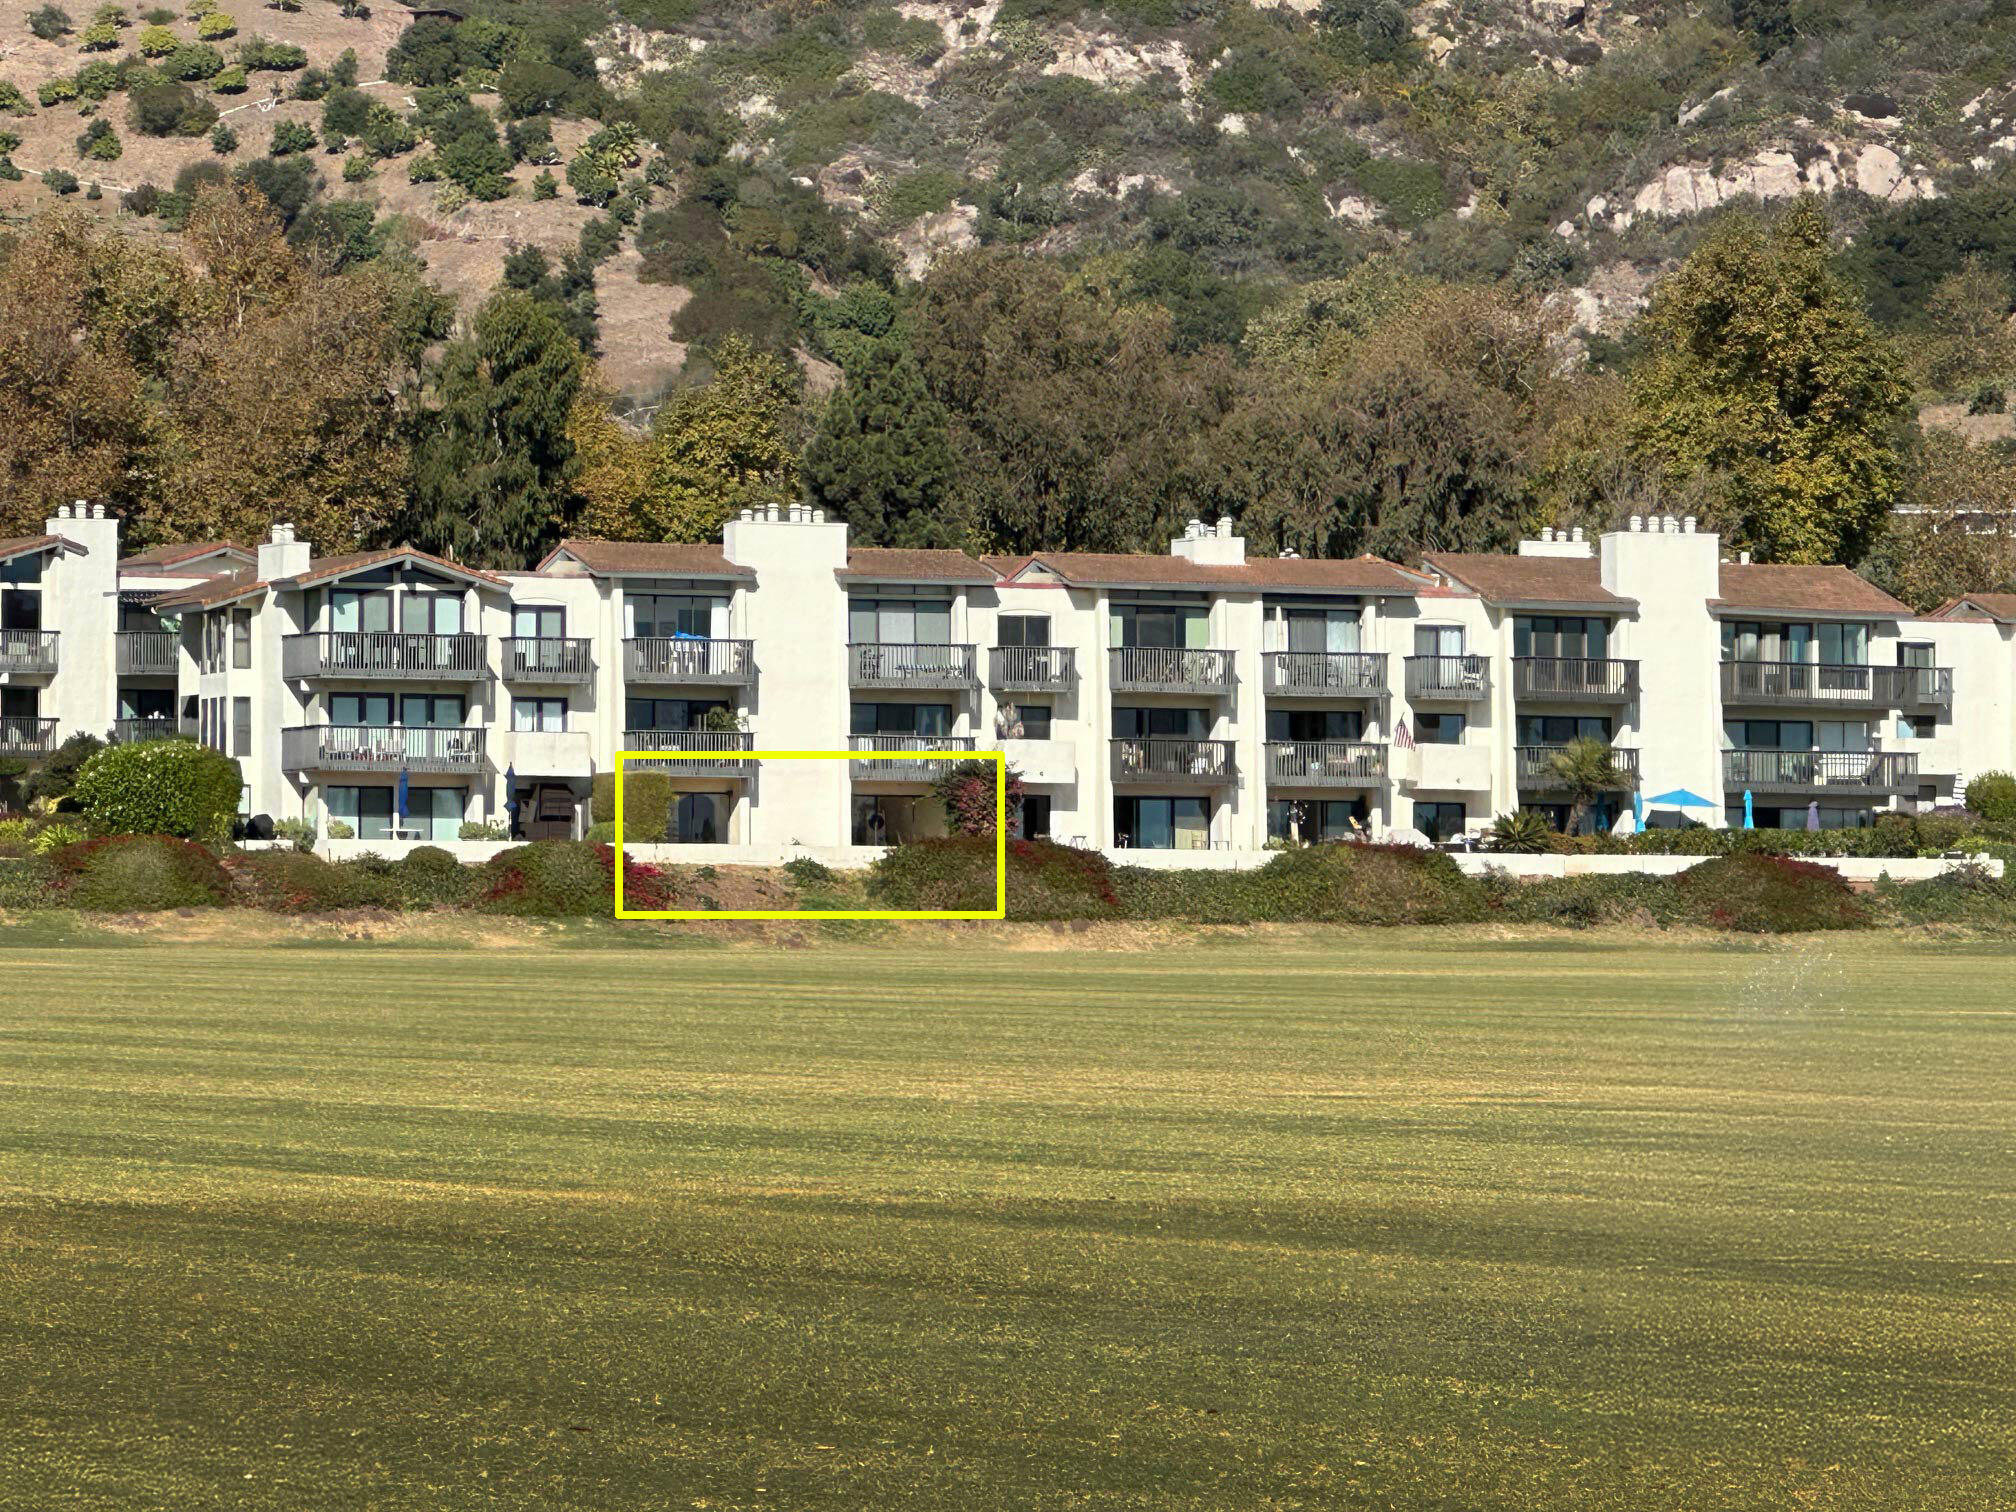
400, 801
1638, 810
1813, 815
511, 796
1749, 817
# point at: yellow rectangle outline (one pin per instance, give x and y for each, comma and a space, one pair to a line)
999, 911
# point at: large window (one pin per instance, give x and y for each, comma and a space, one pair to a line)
241, 727
1176, 724
360, 709
649, 616
1292, 629
1440, 821
698, 819
1311, 821
1035, 817
441, 711
241, 638
147, 703
1438, 640
546, 715
367, 810
1163, 823
1559, 729
1833, 645
1171, 625
360, 609
431, 613
538, 621
1029, 721
1315, 724
1563, 635
890, 819
1022, 630
900, 719
21, 593
1797, 817
1438, 729
899, 622
670, 713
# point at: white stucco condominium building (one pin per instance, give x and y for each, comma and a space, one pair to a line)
1200, 700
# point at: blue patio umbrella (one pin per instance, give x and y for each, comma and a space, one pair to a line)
1638, 810
1680, 798
401, 800
1749, 819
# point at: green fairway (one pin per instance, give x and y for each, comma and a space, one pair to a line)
1383, 1220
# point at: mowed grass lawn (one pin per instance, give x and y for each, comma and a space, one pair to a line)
1351, 1220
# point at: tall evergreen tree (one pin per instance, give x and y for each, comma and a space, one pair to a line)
493, 462
881, 459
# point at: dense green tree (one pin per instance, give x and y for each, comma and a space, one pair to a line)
492, 460
1763, 376
881, 458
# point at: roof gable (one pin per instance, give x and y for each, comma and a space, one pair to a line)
1758, 587
641, 559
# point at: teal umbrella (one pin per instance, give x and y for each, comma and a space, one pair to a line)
1680, 798
1749, 814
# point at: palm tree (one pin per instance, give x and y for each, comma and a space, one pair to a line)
1586, 769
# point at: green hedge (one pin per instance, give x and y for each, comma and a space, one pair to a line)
647, 804
566, 879
138, 873
1759, 894
1045, 881
159, 787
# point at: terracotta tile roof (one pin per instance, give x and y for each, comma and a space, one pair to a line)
186, 551
1507, 580
1097, 569
20, 546
244, 583
651, 558
881, 564
1995, 606
1803, 590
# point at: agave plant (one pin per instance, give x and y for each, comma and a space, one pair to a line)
1523, 832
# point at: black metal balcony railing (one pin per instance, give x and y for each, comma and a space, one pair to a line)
1170, 669
873, 756
21, 735
381, 748
127, 731
145, 653
1819, 773
689, 659
729, 742
1574, 679
31, 651
1032, 669
1836, 685
391, 654
1325, 763
1535, 767
1325, 674
547, 659
1171, 761
897, 664
1448, 678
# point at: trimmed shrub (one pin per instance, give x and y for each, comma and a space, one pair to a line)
1583, 902
1045, 880
1367, 884
141, 873
428, 877
1759, 894
1992, 795
160, 787
557, 879
298, 882
647, 803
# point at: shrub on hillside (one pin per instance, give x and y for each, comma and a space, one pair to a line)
1045, 880
1760, 894
428, 877
556, 879
1992, 795
1970, 895
1584, 902
300, 882
24, 884
160, 787
138, 873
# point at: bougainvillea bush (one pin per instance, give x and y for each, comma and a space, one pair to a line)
971, 806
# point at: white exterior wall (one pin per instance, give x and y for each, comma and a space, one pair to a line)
80, 601
1677, 643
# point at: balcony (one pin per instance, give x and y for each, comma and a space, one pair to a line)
1534, 768
1821, 774
31, 651
1170, 669
1573, 679
381, 748
131, 731
1833, 685
145, 653
690, 660
547, 659
1324, 674
732, 743
876, 756
1032, 669
390, 654
21, 735
1166, 761
893, 664
1448, 679
1325, 763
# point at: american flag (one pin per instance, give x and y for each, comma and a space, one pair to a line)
1403, 737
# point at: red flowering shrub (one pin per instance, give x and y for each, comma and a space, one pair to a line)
145, 873
1761, 894
567, 879
1045, 880
967, 791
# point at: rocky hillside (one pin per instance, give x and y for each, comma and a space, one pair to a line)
1221, 150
